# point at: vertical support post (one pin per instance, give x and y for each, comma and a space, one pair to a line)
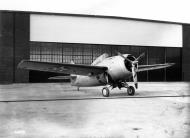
147, 62
165, 60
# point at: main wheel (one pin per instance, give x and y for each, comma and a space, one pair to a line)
105, 92
131, 90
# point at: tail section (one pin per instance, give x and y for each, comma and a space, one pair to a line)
72, 62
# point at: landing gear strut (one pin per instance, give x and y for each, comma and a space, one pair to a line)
130, 89
105, 92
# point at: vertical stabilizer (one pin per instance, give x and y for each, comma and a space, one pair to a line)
72, 62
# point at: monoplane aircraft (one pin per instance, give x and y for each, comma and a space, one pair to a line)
110, 72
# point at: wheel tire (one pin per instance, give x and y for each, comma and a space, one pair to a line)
131, 91
105, 92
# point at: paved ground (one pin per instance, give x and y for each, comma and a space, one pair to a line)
57, 110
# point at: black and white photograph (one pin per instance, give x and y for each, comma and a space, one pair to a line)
94, 69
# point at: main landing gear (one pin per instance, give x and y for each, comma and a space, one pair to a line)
130, 89
105, 92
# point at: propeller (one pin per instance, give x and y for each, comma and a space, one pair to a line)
134, 73
133, 68
140, 57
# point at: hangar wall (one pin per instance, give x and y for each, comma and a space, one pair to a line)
14, 46
186, 53
98, 30
62, 38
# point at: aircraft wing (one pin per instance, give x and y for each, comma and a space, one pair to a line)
153, 67
64, 68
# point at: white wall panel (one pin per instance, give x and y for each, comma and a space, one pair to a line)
74, 29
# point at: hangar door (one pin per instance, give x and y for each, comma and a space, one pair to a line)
62, 38
86, 53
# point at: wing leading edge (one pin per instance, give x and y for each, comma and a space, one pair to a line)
64, 68
153, 67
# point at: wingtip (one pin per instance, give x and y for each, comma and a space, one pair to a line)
20, 63
171, 64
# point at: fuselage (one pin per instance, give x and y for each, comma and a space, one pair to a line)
117, 71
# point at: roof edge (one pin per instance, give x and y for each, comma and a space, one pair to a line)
96, 16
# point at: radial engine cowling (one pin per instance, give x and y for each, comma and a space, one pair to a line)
118, 68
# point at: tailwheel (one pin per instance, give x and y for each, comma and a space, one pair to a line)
105, 92
131, 90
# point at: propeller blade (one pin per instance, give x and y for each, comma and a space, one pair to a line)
134, 73
135, 62
124, 57
141, 55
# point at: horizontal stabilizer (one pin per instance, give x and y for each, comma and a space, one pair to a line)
60, 78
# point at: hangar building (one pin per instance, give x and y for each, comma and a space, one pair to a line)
64, 37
